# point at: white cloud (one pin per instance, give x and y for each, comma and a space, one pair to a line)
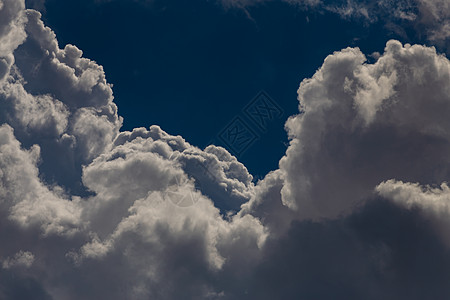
364, 124
21, 258
12, 32
59, 100
28, 200
434, 202
123, 176
221, 176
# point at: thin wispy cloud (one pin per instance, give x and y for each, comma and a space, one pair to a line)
429, 18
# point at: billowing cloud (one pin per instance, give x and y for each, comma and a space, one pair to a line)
357, 210
59, 100
21, 258
29, 201
433, 202
12, 32
367, 123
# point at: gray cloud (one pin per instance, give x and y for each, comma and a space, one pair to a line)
353, 212
61, 101
21, 258
366, 123
12, 32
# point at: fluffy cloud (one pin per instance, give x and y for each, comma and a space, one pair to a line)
361, 125
89, 212
59, 100
364, 124
28, 200
433, 202
21, 258
12, 32
90, 194
158, 242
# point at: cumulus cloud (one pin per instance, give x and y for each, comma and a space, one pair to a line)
91, 194
57, 99
353, 212
28, 200
361, 125
11, 32
433, 202
366, 123
21, 258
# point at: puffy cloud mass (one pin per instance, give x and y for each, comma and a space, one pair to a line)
372, 122
358, 208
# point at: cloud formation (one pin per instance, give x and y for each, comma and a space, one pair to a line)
357, 210
366, 123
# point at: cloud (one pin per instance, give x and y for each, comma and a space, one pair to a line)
90, 212
364, 124
11, 32
436, 14
61, 101
380, 251
90, 194
28, 200
433, 202
21, 258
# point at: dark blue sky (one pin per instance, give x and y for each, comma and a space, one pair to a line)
192, 66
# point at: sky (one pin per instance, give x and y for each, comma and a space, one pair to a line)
224, 149
193, 66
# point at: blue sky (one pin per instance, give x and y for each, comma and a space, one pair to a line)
191, 67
